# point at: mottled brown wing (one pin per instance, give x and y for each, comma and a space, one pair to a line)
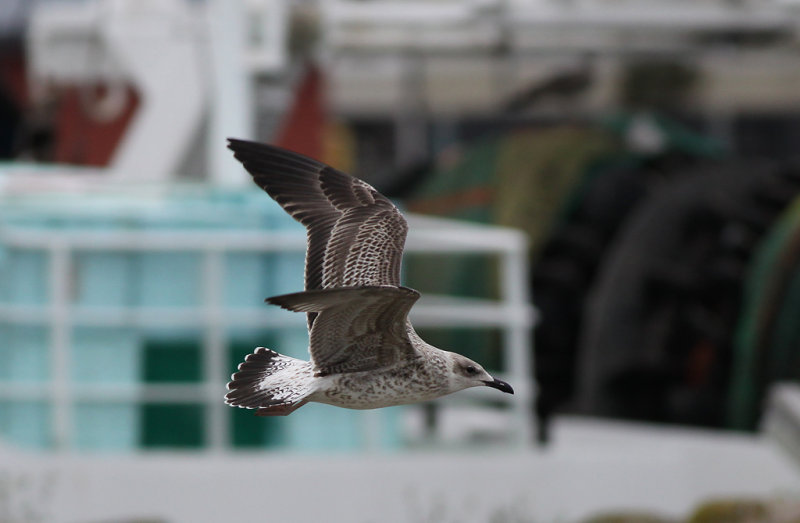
355, 234
357, 328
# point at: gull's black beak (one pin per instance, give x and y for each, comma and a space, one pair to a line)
500, 385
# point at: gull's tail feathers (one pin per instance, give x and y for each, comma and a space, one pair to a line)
270, 382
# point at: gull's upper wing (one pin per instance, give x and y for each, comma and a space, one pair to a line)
357, 328
355, 234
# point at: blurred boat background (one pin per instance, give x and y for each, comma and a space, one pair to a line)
602, 199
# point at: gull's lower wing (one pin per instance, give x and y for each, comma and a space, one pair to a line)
357, 328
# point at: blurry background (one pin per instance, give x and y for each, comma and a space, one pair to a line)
601, 197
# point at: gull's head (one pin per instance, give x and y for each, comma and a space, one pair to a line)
465, 373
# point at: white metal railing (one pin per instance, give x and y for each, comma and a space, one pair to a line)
512, 314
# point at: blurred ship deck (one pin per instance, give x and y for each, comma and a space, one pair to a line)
593, 466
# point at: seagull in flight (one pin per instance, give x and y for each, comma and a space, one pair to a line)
365, 354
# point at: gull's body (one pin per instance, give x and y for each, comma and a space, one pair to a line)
364, 352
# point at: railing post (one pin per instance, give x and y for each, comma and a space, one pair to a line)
215, 361
519, 345
60, 345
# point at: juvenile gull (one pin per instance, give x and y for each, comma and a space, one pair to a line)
364, 352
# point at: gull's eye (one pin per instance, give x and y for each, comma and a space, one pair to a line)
471, 369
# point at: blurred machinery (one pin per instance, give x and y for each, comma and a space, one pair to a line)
157, 47
177, 56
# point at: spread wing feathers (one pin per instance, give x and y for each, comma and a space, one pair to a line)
355, 234
357, 328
